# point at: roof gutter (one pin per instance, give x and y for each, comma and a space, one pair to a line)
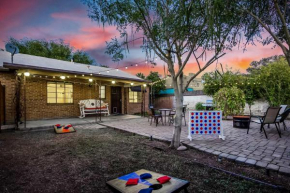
21, 66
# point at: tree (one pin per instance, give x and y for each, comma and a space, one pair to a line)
215, 81
157, 83
274, 81
82, 57
230, 100
272, 16
263, 62
140, 75
174, 30
51, 49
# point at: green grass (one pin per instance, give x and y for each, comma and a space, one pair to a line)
83, 161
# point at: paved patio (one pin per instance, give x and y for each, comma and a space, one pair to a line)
254, 148
49, 123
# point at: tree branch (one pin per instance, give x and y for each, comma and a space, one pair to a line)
283, 22
215, 57
269, 30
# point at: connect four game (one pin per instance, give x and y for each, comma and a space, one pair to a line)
205, 123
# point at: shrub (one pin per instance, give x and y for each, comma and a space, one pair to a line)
274, 82
199, 106
230, 100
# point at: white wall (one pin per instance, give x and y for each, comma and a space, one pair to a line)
259, 107
191, 101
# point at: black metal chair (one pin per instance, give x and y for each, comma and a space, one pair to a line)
269, 118
183, 113
281, 118
171, 116
156, 116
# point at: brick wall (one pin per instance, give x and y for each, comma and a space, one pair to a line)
8, 80
36, 98
38, 108
133, 108
164, 102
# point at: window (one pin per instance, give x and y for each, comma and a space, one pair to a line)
134, 97
59, 92
102, 92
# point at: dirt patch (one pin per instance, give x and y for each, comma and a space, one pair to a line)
83, 162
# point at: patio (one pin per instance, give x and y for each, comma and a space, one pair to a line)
253, 149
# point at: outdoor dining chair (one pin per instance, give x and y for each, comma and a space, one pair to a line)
172, 115
283, 109
269, 118
156, 116
281, 118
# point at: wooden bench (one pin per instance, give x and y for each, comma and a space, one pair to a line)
93, 106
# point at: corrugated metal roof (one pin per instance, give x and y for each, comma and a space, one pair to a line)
49, 64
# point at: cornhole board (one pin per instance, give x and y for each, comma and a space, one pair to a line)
205, 123
62, 130
119, 184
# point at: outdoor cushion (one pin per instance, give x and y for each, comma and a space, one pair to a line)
132, 181
147, 190
163, 179
145, 176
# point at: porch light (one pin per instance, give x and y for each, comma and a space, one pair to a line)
26, 74
67, 76
91, 74
75, 75
117, 69
132, 83
108, 71
136, 64
62, 77
83, 75
144, 85
99, 72
126, 67
113, 82
19, 74
146, 62
90, 80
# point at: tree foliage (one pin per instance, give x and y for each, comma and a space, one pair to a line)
270, 16
274, 82
82, 57
158, 83
174, 30
249, 84
255, 65
51, 49
140, 75
230, 100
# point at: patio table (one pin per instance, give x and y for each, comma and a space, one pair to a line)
165, 112
174, 185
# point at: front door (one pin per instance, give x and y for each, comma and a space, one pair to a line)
116, 100
2, 105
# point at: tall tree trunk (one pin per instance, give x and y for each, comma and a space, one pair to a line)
175, 142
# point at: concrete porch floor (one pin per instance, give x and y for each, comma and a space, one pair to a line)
49, 123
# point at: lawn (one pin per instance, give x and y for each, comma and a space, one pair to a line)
41, 161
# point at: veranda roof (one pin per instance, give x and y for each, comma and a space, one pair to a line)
24, 61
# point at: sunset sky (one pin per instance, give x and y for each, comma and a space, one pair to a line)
68, 20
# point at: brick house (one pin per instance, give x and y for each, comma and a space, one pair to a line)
35, 88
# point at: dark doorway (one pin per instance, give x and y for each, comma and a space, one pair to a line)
116, 100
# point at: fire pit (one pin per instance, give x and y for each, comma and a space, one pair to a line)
241, 121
